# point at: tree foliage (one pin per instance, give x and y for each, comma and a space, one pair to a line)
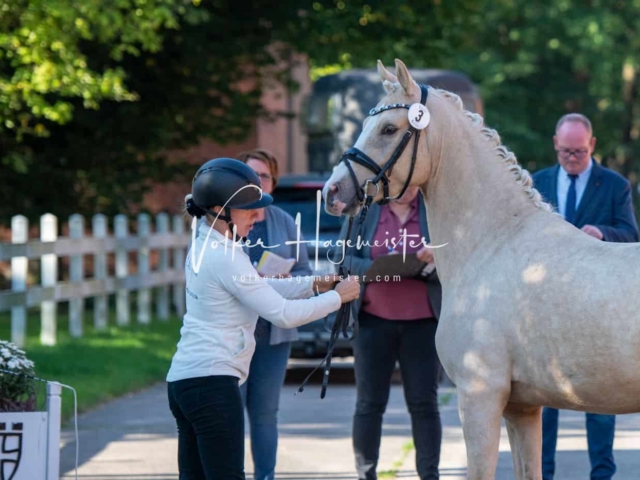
45, 64
533, 61
127, 85
93, 94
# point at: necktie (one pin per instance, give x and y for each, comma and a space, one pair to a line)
570, 209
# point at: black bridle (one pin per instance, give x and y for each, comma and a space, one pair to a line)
341, 323
381, 173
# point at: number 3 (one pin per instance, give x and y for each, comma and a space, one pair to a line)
419, 117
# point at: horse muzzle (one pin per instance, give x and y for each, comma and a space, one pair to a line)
340, 199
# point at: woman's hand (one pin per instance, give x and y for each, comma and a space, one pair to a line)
349, 289
425, 254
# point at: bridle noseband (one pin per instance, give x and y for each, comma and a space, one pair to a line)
417, 123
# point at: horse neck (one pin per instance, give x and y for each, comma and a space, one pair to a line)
474, 201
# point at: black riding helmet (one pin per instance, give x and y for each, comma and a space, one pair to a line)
220, 182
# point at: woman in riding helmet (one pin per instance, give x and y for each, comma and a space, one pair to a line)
224, 297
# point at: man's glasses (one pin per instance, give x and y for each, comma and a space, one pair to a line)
566, 153
264, 177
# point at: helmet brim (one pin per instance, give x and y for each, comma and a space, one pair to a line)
265, 201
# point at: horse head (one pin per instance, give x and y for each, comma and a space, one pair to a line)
383, 162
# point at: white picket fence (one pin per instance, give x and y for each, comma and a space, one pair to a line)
49, 247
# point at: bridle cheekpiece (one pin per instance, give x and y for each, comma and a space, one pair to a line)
419, 118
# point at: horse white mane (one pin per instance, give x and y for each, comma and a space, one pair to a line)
522, 176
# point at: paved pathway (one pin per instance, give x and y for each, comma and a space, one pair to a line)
134, 438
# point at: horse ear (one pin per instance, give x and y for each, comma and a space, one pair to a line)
386, 74
407, 83
389, 87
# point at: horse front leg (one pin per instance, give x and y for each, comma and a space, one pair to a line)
515, 450
524, 425
481, 413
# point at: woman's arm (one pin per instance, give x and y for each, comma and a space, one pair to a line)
292, 287
241, 280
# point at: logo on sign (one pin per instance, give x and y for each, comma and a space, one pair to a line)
10, 450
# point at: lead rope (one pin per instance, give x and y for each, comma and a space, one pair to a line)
341, 323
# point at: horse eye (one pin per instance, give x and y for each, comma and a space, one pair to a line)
389, 130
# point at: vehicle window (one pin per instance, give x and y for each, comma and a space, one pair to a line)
303, 200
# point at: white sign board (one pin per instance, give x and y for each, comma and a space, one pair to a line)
23, 446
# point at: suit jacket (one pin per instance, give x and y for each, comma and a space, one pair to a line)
606, 202
362, 257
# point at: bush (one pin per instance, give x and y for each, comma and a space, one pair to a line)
17, 390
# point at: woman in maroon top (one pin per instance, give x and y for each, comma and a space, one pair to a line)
398, 322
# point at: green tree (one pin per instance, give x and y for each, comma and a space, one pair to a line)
543, 59
93, 94
533, 61
45, 65
131, 81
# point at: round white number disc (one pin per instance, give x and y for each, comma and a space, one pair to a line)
419, 116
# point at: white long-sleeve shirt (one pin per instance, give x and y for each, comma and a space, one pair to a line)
225, 296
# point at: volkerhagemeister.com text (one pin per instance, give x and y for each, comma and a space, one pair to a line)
301, 278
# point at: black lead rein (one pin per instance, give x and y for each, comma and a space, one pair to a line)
341, 323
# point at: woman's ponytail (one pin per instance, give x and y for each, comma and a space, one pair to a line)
193, 209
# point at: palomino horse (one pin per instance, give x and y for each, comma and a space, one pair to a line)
534, 311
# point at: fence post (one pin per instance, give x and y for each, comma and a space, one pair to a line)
162, 292
178, 264
49, 273
19, 270
99, 227
76, 274
54, 406
122, 295
144, 294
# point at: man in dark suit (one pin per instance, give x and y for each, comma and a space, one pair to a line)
597, 201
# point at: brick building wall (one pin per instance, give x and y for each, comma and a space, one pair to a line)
284, 137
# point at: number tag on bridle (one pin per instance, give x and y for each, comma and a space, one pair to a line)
419, 116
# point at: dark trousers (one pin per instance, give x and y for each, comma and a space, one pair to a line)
377, 346
208, 411
601, 430
261, 395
